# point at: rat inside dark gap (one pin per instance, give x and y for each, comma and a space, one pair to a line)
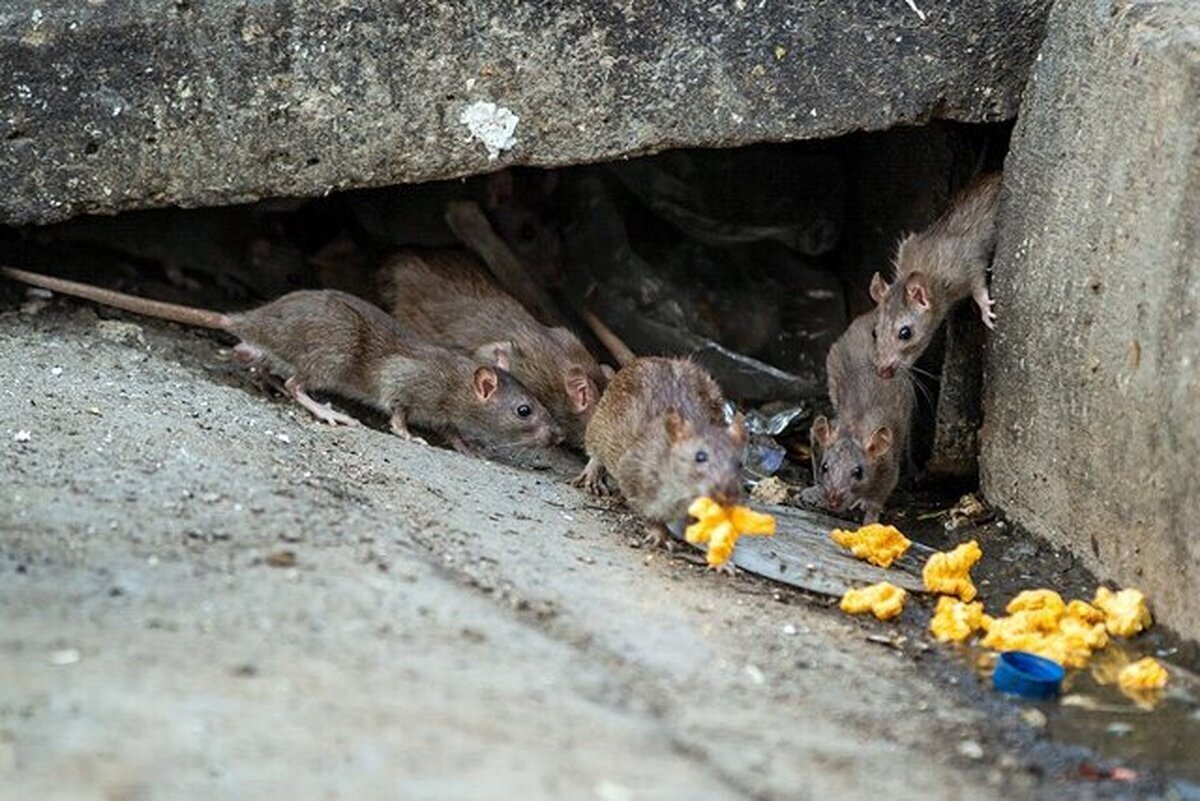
752, 260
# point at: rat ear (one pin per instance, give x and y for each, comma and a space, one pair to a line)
581, 392
879, 443
498, 353
499, 189
677, 427
737, 429
916, 289
821, 432
879, 288
486, 382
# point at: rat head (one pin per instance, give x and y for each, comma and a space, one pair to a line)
906, 321
521, 209
704, 459
849, 465
506, 413
559, 370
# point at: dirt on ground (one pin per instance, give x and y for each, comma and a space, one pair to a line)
205, 594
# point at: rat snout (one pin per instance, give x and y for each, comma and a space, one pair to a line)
728, 495
550, 436
834, 500
886, 370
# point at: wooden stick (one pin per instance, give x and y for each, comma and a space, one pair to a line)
619, 350
470, 225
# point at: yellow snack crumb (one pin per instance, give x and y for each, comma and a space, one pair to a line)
1125, 612
878, 544
1144, 674
720, 527
950, 573
1084, 612
883, 600
955, 621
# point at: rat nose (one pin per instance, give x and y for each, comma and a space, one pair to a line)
887, 370
833, 500
727, 496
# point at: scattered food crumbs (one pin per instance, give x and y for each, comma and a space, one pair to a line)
883, 600
56, 371
955, 620
720, 527
950, 573
282, 559
22, 436
94, 410
1125, 612
876, 543
1144, 674
284, 438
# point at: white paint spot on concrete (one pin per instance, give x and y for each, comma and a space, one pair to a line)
492, 125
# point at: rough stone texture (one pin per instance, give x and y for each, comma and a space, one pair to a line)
1092, 405
118, 105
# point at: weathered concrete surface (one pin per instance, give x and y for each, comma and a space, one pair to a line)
116, 105
451, 629
1092, 404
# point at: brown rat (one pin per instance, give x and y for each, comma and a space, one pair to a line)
659, 431
936, 268
446, 296
862, 449
329, 340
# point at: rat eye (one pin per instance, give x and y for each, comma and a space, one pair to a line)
524, 410
701, 457
527, 232
875, 333
824, 467
904, 333
857, 472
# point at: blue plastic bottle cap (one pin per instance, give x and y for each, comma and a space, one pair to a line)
1027, 675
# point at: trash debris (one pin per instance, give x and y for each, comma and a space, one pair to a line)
23, 435
775, 424
720, 527
770, 490
1125, 612
883, 600
876, 543
969, 509
763, 456
1034, 717
1099, 773
950, 573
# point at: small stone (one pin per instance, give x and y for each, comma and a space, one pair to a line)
56, 371
755, 674
64, 656
1034, 717
282, 558
789, 629
284, 438
970, 749
22, 436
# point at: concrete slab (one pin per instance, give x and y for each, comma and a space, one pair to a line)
1092, 404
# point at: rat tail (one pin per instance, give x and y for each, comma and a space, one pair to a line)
187, 315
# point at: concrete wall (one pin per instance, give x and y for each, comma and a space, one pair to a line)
117, 104
1092, 407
